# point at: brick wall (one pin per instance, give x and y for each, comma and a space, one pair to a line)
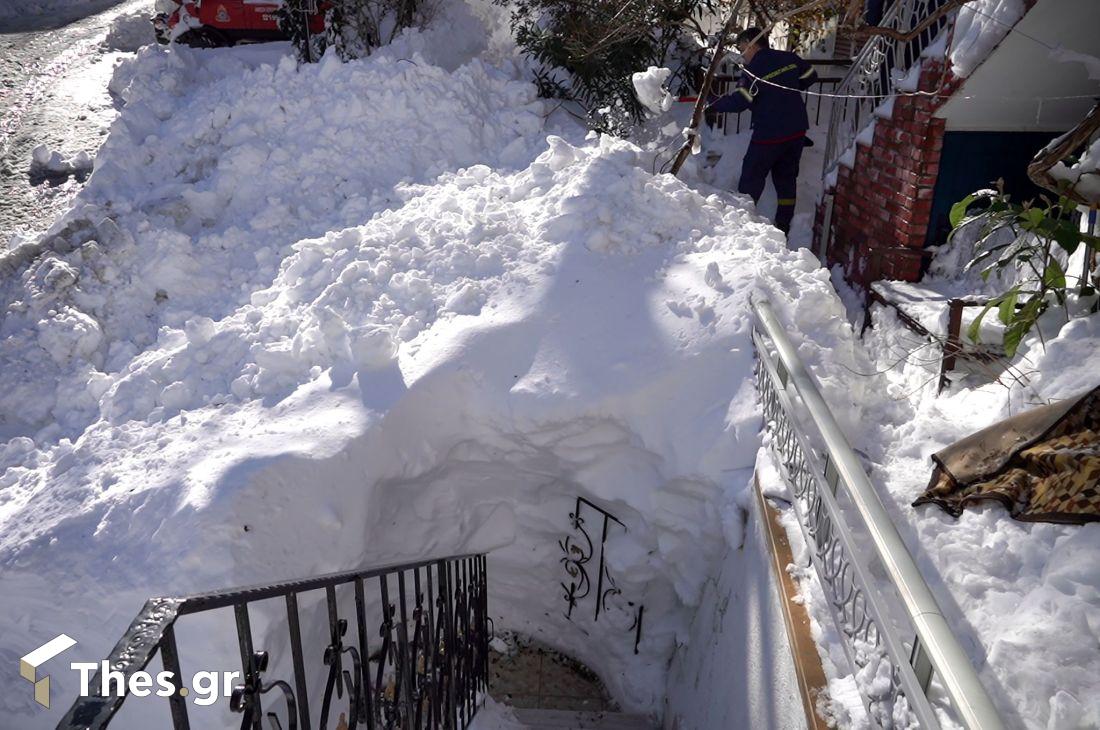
883, 203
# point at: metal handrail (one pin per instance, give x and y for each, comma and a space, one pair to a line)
436, 650
817, 478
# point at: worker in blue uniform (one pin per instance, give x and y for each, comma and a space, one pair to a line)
770, 85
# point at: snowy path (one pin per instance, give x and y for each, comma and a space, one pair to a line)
53, 91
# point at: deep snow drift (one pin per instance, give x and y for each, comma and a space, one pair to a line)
307, 319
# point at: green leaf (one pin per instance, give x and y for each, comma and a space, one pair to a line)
1067, 237
1006, 311
1025, 320
1013, 336
974, 330
1032, 218
1054, 277
958, 210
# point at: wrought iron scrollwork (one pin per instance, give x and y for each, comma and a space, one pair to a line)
578, 551
245, 698
429, 668
876, 73
575, 559
341, 679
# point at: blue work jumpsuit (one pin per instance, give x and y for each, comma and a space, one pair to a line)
771, 85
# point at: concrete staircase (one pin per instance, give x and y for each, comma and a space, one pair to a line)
541, 719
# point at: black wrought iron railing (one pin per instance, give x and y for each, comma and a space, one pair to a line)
418, 656
579, 550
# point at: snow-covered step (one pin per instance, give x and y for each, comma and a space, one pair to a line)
561, 719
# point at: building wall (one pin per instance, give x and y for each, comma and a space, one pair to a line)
883, 204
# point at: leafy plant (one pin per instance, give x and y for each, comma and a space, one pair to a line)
587, 50
1040, 236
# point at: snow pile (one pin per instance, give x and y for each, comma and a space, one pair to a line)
217, 166
980, 27
304, 319
129, 32
45, 160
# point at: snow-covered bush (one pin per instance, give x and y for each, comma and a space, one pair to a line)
353, 27
587, 52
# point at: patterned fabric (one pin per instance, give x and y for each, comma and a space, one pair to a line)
1053, 477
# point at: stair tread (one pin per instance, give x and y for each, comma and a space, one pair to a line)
540, 719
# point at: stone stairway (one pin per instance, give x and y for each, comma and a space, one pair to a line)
546, 690
541, 719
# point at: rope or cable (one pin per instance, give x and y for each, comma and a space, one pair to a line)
935, 94
913, 93
1011, 27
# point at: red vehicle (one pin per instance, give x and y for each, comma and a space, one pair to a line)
210, 23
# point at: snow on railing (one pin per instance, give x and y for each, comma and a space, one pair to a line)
878, 72
893, 674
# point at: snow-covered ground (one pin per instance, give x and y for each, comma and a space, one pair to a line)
17, 14
1024, 597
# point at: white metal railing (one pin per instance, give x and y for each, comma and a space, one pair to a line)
915, 654
876, 73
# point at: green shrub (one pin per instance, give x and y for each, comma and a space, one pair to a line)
1043, 234
586, 51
